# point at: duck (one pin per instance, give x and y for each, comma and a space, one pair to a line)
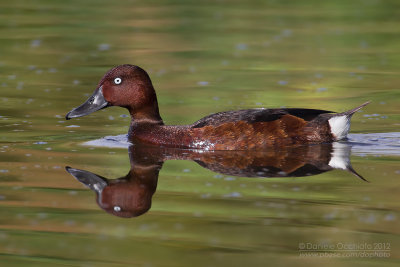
130, 87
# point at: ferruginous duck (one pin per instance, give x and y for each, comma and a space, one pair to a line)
130, 87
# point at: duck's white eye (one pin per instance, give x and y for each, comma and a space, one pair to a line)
117, 80
117, 208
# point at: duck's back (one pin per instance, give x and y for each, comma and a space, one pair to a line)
258, 115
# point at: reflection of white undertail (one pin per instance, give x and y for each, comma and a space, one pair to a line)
340, 158
340, 123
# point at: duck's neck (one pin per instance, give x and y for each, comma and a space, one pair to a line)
146, 115
147, 112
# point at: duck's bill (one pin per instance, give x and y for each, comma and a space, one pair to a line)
95, 102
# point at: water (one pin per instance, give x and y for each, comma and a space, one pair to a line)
202, 58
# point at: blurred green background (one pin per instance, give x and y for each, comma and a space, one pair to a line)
203, 57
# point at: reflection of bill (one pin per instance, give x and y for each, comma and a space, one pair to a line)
131, 195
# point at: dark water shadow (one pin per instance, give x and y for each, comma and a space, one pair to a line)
131, 195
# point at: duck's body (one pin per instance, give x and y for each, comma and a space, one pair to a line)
236, 130
130, 87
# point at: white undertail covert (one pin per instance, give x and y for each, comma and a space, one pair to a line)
340, 126
340, 122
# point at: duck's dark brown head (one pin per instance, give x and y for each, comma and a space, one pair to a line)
126, 86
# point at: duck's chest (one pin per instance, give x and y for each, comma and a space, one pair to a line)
161, 135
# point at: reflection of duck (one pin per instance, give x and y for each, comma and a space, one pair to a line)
131, 195
253, 129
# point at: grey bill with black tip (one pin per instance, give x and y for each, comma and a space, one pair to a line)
95, 102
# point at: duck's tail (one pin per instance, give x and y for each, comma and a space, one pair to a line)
340, 122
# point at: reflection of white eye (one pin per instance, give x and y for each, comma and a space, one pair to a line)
117, 80
117, 208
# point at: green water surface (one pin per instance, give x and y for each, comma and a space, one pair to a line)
203, 57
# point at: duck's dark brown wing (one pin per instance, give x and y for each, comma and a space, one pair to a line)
257, 115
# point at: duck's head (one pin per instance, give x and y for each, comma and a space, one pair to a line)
126, 86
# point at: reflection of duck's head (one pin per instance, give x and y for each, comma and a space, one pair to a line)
129, 196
